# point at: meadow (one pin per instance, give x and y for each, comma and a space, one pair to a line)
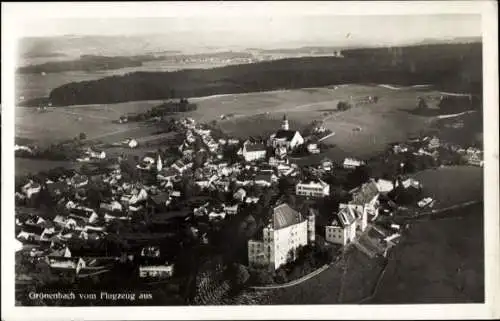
437, 261
452, 185
252, 114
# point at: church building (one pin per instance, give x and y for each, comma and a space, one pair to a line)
284, 137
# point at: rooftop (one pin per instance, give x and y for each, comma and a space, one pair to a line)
365, 193
285, 216
287, 134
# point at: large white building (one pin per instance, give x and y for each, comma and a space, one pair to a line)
280, 239
313, 189
290, 139
251, 152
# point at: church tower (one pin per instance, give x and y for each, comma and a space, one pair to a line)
284, 123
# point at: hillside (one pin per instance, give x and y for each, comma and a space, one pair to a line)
451, 67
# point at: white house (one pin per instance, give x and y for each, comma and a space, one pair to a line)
384, 186
231, 210
280, 239
251, 152
313, 148
156, 271
351, 163
240, 194
290, 139
313, 189
31, 188
342, 230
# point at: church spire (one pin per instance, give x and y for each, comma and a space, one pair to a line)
284, 123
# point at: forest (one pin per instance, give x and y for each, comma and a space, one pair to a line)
449, 67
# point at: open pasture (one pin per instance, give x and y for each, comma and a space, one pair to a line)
452, 185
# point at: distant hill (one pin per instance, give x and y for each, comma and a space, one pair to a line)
450, 67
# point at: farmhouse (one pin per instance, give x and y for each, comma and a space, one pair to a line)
313, 189
279, 240
290, 139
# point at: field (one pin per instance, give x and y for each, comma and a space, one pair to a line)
438, 261
452, 185
25, 166
252, 114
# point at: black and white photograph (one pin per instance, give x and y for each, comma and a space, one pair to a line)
235, 155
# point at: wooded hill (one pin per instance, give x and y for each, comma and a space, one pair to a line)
449, 67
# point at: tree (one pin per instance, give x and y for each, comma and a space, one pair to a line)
241, 275
281, 276
82, 136
343, 105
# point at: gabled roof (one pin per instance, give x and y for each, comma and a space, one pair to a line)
254, 147
365, 193
346, 216
285, 216
287, 134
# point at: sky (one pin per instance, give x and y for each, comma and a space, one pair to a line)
267, 29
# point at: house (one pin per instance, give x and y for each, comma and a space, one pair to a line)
265, 178
96, 154
366, 196
384, 186
399, 148
111, 206
252, 199
131, 143
327, 164
85, 213
22, 148
180, 166
212, 216
233, 141
79, 181
313, 148
434, 143
31, 188
313, 189
474, 156
279, 240
156, 271
407, 183
284, 137
231, 210
150, 251
351, 163
343, 228
65, 263
240, 195
253, 151
111, 216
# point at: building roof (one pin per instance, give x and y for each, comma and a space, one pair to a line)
365, 193
287, 134
346, 216
255, 147
285, 216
